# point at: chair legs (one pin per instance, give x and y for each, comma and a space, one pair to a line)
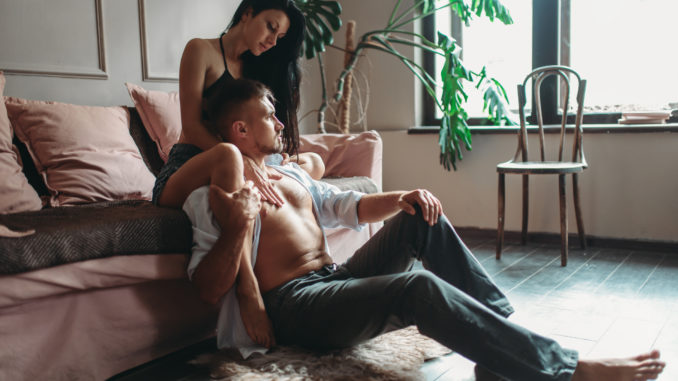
563, 220
562, 183
526, 208
500, 222
577, 210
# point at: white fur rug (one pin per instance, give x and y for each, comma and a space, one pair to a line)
396, 355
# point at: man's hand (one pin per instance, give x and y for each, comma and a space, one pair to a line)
234, 211
261, 180
430, 205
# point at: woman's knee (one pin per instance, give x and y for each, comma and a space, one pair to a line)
226, 167
225, 154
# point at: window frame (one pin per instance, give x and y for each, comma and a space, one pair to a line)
550, 46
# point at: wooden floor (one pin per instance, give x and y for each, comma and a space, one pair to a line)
606, 302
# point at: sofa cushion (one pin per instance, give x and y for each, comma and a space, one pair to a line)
97, 230
147, 147
161, 115
84, 153
16, 194
347, 155
357, 183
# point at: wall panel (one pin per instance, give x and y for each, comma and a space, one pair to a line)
167, 25
58, 38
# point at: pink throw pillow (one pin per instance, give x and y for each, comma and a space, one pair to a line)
16, 194
347, 155
84, 153
161, 115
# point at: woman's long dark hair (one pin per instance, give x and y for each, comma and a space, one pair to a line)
278, 67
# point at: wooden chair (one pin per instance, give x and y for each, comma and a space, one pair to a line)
520, 164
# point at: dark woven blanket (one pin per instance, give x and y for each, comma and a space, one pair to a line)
77, 233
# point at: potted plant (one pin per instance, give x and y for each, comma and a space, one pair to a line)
324, 16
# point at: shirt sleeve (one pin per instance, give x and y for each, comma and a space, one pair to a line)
205, 229
337, 208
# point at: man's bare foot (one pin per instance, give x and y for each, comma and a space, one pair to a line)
643, 367
257, 323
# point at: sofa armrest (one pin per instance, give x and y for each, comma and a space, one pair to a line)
347, 155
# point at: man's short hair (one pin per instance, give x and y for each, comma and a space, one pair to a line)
225, 104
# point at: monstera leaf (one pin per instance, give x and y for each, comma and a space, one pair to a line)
322, 18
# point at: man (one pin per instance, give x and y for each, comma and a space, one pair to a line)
313, 303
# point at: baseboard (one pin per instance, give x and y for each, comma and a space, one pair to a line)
511, 237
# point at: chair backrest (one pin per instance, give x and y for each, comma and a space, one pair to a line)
537, 76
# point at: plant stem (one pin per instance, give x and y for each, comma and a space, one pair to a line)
416, 45
323, 105
408, 11
421, 16
347, 69
426, 80
385, 32
395, 9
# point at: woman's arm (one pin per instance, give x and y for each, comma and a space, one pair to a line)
310, 162
192, 73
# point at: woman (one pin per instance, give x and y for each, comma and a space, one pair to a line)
262, 42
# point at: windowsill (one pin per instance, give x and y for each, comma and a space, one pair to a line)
588, 128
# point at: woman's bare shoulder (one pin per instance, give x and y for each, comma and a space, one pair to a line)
203, 44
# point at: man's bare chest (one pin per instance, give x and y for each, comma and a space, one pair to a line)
293, 193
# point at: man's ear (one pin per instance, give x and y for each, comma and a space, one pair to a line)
239, 128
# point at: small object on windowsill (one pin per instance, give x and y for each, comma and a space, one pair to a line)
644, 117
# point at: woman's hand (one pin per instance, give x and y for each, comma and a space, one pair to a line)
261, 180
430, 205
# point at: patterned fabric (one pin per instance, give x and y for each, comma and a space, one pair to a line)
70, 234
179, 155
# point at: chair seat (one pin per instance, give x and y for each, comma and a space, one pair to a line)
540, 167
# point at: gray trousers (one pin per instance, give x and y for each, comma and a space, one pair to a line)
454, 302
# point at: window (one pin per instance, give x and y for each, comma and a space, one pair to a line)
623, 49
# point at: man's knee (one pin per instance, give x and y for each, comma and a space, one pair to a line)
421, 285
417, 218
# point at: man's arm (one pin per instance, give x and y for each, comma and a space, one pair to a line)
216, 273
217, 270
380, 206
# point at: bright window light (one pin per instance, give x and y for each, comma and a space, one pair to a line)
626, 51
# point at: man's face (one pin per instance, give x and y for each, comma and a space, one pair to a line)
265, 129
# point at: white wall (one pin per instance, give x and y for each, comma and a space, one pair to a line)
629, 191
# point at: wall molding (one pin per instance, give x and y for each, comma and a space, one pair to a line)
146, 75
54, 71
513, 237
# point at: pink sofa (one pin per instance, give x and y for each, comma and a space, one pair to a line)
95, 317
